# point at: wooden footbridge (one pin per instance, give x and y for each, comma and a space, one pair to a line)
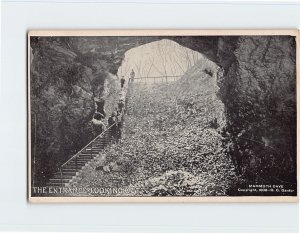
156, 79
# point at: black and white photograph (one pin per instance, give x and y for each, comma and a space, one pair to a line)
184, 115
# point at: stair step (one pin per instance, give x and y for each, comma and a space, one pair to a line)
65, 169
100, 145
71, 166
91, 151
57, 180
80, 160
56, 184
64, 176
68, 173
73, 163
85, 154
94, 148
84, 157
87, 157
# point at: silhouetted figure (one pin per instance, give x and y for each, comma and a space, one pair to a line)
97, 123
121, 102
119, 118
112, 123
111, 120
132, 74
122, 95
100, 102
119, 124
122, 81
121, 105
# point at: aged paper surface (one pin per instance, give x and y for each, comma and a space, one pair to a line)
162, 116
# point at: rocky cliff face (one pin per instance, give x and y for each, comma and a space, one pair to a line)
66, 74
258, 91
257, 86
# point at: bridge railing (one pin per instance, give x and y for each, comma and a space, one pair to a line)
157, 79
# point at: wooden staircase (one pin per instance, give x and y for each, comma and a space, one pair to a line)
70, 168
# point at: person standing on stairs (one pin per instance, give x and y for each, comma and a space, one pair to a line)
112, 123
97, 123
119, 124
121, 105
121, 102
99, 105
132, 74
122, 82
99, 115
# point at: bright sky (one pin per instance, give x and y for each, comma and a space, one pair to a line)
160, 58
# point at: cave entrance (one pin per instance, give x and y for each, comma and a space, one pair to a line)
158, 62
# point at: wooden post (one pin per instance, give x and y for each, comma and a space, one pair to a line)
91, 150
61, 177
76, 162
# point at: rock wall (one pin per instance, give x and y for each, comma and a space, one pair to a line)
258, 90
66, 74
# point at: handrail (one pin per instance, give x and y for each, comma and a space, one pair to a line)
78, 153
74, 156
165, 76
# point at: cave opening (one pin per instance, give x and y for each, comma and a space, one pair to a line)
158, 61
